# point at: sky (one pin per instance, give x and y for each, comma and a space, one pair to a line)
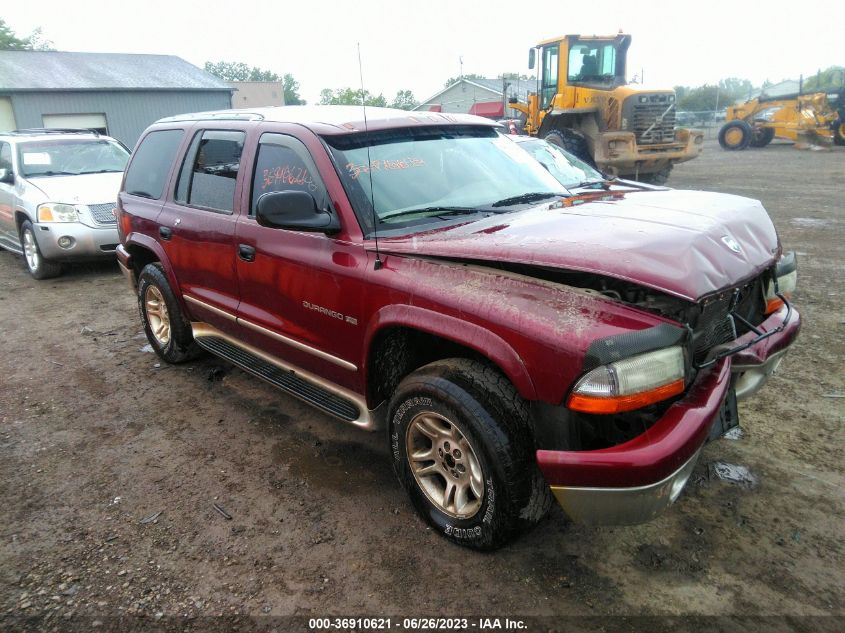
418, 45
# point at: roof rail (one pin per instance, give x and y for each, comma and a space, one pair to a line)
214, 116
55, 130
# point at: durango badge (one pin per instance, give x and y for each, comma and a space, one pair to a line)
731, 243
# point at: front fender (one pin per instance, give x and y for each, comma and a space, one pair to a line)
468, 334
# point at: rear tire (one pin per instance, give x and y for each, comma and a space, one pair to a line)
37, 266
735, 135
573, 143
762, 136
167, 329
462, 448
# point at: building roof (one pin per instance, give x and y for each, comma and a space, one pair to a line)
518, 88
38, 71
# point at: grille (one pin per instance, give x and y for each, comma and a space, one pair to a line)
654, 121
715, 325
285, 380
102, 213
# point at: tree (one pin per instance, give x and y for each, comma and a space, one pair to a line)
10, 42
404, 100
350, 96
832, 78
291, 87
470, 76
238, 71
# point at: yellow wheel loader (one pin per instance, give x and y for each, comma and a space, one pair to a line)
585, 105
806, 119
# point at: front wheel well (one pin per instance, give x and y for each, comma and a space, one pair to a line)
20, 218
397, 351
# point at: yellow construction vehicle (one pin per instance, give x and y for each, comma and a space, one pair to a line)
806, 119
585, 105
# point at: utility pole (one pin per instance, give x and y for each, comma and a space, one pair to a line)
461, 62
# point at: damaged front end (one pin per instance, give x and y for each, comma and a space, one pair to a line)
620, 450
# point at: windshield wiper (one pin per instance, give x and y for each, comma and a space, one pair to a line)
436, 211
101, 171
526, 198
51, 173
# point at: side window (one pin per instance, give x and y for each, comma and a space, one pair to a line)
284, 164
550, 68
151, 163
210, 169
6, 156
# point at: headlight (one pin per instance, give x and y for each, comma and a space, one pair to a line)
786, 275
54, 212
630, 383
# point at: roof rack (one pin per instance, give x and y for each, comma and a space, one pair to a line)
54, 130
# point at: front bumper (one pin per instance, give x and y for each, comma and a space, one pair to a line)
635, 481
86, 242
619, 154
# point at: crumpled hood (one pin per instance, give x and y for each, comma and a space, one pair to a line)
81, 189
678, 242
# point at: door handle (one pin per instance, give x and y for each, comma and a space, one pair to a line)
165, 232
246, 252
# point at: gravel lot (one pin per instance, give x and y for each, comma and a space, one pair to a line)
97, 438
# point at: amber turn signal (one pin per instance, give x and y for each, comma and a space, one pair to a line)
620, 404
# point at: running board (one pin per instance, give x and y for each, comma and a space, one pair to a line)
319, 393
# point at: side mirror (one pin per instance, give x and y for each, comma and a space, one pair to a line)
532, 53
7, 177
296, 211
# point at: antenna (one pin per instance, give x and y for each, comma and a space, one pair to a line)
377, 264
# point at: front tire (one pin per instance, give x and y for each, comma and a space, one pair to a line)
658, 178
462, 449
573, 143
167, 329
37, 266
735, 135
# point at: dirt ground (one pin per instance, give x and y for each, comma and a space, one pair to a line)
97, 436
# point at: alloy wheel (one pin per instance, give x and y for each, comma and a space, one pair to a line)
445, 465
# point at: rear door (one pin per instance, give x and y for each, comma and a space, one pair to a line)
197, 224
301, 292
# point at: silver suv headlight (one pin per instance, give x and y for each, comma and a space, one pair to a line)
630, 383
57, 212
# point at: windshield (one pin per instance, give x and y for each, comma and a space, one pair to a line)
568, 170
431, 175
593, 62
71, 157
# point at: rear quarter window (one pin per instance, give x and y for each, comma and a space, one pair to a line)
150, 166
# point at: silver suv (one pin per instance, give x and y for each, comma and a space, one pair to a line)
57, 192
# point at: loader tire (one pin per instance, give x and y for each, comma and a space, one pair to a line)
839, 132
658, 178
762, 136
735, 135
573, 143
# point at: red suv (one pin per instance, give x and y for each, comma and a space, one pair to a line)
422, 273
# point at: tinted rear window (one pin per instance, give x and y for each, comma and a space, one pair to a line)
151, 163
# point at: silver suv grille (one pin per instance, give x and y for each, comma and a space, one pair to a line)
654, 121
102, 213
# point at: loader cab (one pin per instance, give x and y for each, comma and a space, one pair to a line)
591, 62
